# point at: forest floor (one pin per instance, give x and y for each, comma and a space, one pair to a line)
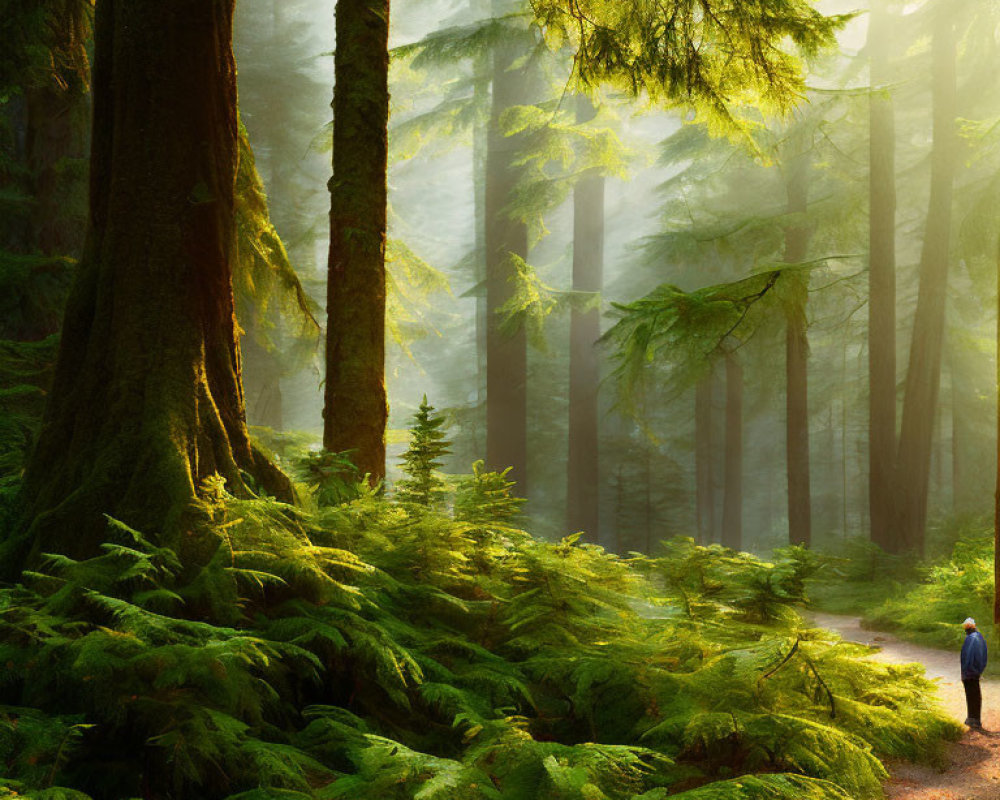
973, 771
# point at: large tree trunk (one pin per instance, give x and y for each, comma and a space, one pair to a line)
147, 399
480, 133
924, 371
704, 489
355, 408
585, 329
506, 238
732, 503
796, 360
882, 286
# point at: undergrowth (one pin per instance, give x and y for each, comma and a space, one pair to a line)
920, 601
374, 649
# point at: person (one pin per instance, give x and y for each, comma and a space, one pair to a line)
973, 663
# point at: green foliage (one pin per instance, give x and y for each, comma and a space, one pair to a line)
921, 601
714, 56
486, 497
410, 283
33, 291
687, 330
421, 462
265, 283
384, 650
332, 478
532, 303
43, 42
951, 589
25, 369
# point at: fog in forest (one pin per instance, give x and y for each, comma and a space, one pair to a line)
516, 399
683, 206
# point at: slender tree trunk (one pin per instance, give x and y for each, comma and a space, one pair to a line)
732, 506
996, 496
957, 501
147, 399
480, 132
506, 238
647, 499
704, 494
262, 370
15, 224
717, 469
796, 360
923, 375
585, 329
843, 442
355, 407
882, 286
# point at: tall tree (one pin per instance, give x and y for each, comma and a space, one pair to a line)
923, 374
996, 496
355, 407
585, 329
882, 283
58, 112
704, 459
506, 244
44, 125
732, 499
797, 352
147, 399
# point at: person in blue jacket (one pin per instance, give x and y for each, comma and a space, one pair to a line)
973, 663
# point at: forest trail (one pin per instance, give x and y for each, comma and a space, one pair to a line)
973, 772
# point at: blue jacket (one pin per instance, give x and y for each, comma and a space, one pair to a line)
973, 655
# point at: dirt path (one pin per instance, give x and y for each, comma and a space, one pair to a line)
974, 770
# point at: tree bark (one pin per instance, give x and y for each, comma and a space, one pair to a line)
704, 490
732, 503
355, 407
796, 360
507, 355
996, 496
924, 371
58, 117
147, 399
582, 513
882, 286
480, 133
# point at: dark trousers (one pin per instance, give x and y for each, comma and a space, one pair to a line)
973, 697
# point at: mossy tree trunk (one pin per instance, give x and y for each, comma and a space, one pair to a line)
923, 375
506, 355
797, 359
147, 399
355, 407
582, 513
480, 132
882, 286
